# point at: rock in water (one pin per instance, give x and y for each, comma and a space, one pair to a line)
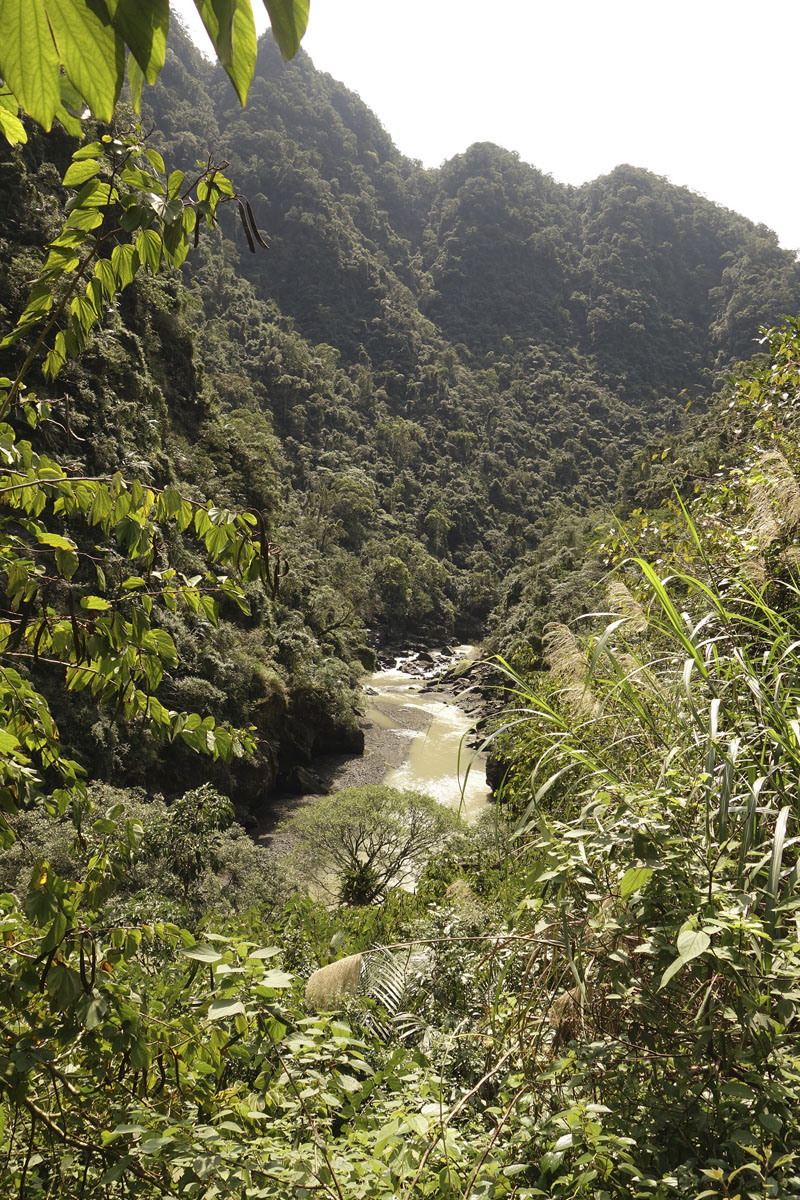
328, 986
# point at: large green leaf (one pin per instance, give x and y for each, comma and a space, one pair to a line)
228, 1006
217, 16
288, 19
28, 58
691, 944
144, 25
11, 127
245, 47
230, 25
91, 51
203, 953
634, 880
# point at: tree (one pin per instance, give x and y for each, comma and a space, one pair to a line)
58, 57
85, 560
357, 844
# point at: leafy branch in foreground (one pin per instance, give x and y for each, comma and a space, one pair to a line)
60, 57
64, 539
87, 574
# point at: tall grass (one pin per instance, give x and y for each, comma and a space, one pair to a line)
658, 829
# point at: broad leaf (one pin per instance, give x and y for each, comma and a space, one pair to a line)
8, 743
277, 979
226, 1007
79, 172
11, 127
288, 19
144, 25
203, 953
230, 26
91, 51
634, 880
692, 943
28, 58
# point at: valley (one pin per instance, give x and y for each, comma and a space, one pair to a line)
398, 648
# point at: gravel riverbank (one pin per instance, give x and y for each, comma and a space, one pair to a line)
440, 674
384, 749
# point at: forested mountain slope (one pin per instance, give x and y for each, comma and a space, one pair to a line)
419, 380
510, 340
420, 399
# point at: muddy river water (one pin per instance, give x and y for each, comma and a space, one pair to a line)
437, 758
415, 738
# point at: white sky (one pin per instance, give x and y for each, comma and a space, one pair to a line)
702, 91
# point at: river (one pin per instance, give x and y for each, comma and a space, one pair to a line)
436, 758
415, 737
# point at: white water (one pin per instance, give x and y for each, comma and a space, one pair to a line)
438, 760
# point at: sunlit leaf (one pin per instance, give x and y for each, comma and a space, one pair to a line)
91, 51
634, 880
203, 953
230, 26
288, 19
12, 128
226, 1007
28, 58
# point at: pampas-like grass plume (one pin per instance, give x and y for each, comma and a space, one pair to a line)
567, 663
328, 986
624, 603
774, 500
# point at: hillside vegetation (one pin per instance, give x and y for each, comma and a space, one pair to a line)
438, 404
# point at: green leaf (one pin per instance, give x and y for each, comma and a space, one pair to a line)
64, 985
70, 123
28, 58
288, 19
148, 247
54, 540
245, 49
634, 880
95, 604
217, 16
122, 260
67, 562
12, 128
135, 82
692, 943
226, 1007
144, 25
94, 1012
230, 26
79, 172
91, 51
155, 160
153, 1144
8, 743
276, 979
203, 953
350, 1084
775, 868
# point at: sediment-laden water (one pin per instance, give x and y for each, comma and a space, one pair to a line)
438, 760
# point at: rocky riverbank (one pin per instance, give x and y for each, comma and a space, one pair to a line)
446, 673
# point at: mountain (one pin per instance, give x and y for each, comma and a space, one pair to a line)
424, 376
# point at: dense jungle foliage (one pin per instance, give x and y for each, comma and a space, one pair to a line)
224, 483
